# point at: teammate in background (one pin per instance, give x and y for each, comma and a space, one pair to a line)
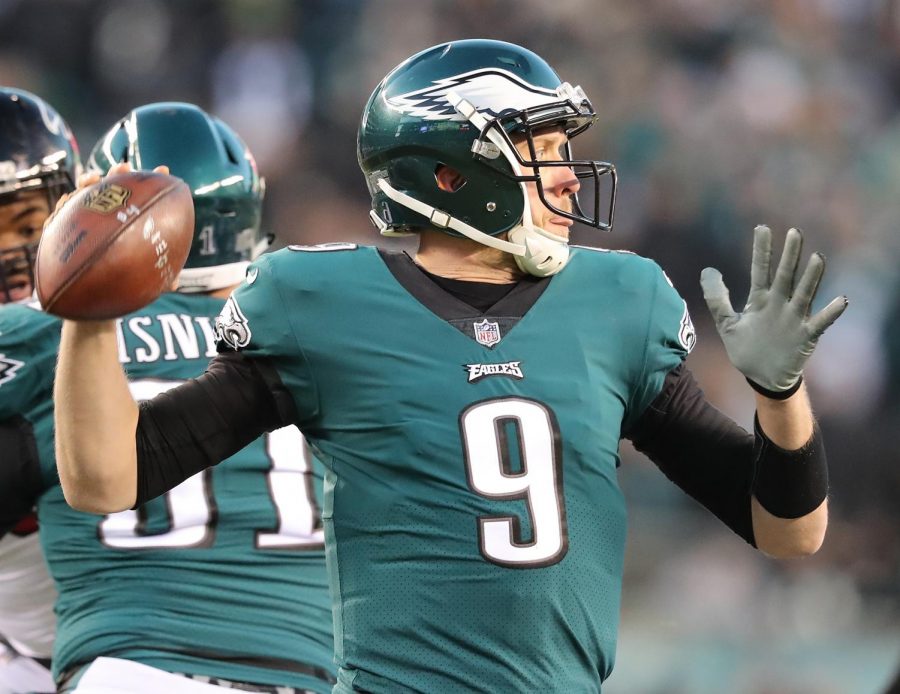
469, 403
38, 164
223, 579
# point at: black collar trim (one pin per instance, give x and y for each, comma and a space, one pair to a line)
515, 304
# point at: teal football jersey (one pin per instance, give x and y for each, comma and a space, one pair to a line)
222, 576
29, 342
475, 526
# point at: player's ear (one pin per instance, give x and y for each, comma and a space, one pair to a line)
448, 179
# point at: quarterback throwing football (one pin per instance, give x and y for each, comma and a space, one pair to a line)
468, 402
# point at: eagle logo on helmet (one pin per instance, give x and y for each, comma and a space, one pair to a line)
492, 91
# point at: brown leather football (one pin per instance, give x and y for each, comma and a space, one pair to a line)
115, 246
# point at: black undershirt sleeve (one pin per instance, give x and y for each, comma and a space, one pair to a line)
20, 472
700, 449
721, 465
202, 422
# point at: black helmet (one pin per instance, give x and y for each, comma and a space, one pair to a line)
37, 152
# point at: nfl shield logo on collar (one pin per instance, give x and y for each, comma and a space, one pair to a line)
487, 333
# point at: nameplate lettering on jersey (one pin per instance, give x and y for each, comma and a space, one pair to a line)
513, 369
324, 247
8, 368
165, 337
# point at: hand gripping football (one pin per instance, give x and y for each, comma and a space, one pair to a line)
115, 246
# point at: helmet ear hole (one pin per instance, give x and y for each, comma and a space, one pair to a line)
449, 179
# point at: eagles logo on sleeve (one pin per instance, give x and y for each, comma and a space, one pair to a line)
687, 336
232, 327
8, 368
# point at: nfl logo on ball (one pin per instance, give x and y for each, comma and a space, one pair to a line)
487, 333
106, 198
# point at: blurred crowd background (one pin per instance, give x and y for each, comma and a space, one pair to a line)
719, 114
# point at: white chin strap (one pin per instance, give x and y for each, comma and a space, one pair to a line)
536, 251
193, 280
545, 253
442, 220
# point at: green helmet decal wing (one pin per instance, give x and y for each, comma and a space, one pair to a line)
492, 91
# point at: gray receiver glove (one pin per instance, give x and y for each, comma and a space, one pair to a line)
770, 341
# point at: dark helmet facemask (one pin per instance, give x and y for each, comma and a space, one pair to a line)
17, 272
575, 115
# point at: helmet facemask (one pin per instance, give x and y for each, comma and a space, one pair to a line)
544, 253
16, 270
17, 261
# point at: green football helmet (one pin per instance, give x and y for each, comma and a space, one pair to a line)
221, 172
460, 104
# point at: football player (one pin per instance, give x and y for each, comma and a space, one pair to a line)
38, 164
221, 582
469, 402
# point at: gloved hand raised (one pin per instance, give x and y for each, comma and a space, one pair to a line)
770, 341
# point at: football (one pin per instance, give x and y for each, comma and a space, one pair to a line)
115, 246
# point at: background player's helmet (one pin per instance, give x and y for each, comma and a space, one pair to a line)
37, 152
460, 104
221, 172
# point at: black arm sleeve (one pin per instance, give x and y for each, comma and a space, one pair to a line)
20, 472
202, 422
699, 449
790, 484
721, 465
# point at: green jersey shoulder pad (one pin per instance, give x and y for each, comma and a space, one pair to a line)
29, 342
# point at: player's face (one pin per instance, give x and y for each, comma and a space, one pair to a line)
559, 182
22, 218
